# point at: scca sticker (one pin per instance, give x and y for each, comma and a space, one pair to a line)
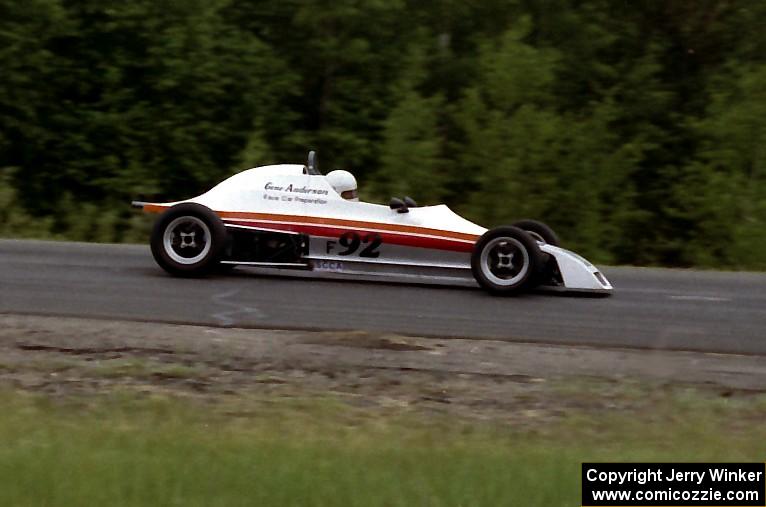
334, 266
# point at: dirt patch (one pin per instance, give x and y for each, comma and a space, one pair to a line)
94, 350
365, 340
467, 378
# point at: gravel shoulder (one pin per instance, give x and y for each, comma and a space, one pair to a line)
482, 379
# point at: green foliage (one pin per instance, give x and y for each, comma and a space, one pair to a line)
636, 131
411, 152
723, 196
126, 450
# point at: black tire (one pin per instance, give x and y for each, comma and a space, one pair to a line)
188, 240
539, 231
499, 246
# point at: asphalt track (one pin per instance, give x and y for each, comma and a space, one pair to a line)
651, 308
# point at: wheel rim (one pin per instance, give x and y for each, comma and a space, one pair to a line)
187, 240
505, 261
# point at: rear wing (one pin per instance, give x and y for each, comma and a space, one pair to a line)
149, 207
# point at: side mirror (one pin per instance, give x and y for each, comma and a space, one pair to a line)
311, 164
410, 202
398, 205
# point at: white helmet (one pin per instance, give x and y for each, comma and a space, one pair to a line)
344, 183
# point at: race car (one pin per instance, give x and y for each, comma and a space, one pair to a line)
291, 216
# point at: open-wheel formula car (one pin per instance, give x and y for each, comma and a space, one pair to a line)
290, 216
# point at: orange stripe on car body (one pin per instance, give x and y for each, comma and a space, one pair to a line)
155, 208
391, 237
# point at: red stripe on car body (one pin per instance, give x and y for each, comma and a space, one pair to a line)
393, 238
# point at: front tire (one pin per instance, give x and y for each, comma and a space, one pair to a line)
538, 231
188, 240
506, 260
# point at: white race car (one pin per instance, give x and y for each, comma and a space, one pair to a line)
290, 216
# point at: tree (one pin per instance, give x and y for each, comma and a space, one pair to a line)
411, 161
723, 195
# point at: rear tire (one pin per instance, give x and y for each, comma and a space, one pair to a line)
188, 240
506, 260
538, 231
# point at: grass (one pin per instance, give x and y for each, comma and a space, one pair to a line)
136, 368
125, 449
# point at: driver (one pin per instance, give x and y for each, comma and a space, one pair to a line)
344, 183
